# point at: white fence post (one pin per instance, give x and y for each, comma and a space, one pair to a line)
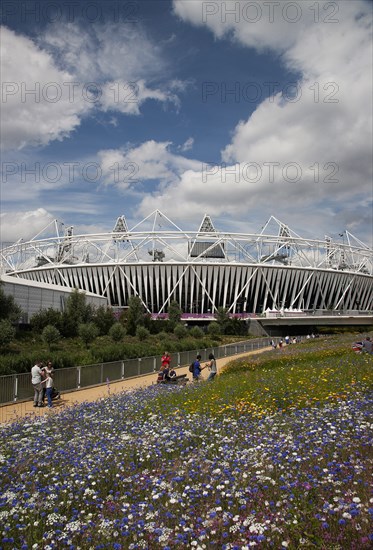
15, 388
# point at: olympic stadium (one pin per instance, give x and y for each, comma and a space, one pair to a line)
203, 269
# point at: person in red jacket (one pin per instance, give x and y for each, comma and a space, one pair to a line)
166, 360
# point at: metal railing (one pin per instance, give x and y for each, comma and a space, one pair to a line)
17, 387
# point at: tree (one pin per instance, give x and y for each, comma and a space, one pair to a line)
117, 332
237, 327
103, 318
87, 332
46, 317
50, 335
222, 318
8, 308
174, 314
135, 315
7, 332
76, 312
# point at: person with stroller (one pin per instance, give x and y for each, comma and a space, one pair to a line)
49, 387
46, 370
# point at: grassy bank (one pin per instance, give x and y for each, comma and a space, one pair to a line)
275, 453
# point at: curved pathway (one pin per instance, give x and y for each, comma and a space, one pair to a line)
15, 411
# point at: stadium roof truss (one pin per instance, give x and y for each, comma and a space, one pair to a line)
203, 269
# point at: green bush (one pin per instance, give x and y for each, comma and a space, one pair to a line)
17, 364
9, 310
235, 327
46, 317
104, 320
135, 315
110, 352
196, 332
50, 335
117, 332
180, 331
87, 332
189, 343
214, 329
142, 333
174, 314
7, 332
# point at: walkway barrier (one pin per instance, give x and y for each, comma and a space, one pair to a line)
17, 387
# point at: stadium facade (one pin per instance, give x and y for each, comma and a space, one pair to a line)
201, 269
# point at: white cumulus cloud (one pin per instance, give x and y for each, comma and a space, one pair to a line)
304, 156
23, 225
35, 95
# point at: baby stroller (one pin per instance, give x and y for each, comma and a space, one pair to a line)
357, 347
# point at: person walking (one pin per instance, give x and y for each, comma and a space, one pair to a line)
212, 367
36, 381
197, 369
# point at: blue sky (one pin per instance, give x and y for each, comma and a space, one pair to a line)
240, 110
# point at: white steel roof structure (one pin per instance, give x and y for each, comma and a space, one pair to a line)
201, 269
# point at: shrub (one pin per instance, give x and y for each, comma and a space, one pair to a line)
77, 312
87, 332
46, 317
236, 327
50, 335
180, 331
7, 332
196, 332
117, 332
135, 315
142, 333
103, 318
111, 352
10, 364
8, 308
214, 329
174, 314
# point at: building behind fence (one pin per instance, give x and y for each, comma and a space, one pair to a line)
17, 387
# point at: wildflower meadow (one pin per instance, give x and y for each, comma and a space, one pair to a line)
274, 453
